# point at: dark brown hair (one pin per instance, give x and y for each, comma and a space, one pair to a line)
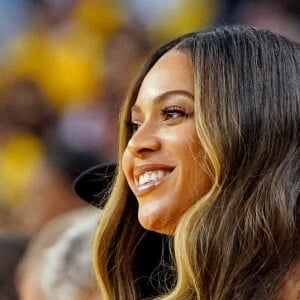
241, 239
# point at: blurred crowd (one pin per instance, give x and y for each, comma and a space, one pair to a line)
65, 68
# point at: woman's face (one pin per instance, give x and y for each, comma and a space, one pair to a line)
163, 161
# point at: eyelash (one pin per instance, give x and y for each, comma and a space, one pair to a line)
132, 127
167, 113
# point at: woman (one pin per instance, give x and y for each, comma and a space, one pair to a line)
209, 160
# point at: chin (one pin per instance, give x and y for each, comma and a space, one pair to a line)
156, 224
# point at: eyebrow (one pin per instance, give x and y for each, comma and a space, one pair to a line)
165, 95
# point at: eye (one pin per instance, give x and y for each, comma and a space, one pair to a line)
174, 112
132, 126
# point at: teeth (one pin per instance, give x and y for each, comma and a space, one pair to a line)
152, 176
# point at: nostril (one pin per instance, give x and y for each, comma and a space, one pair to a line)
142, 150
144, 145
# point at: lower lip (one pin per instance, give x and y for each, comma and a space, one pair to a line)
147, 187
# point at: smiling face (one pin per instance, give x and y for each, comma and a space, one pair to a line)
163, 162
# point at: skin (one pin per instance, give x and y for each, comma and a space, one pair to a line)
164, 138
291, 286
29, 287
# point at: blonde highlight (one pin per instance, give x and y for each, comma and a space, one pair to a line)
240, 239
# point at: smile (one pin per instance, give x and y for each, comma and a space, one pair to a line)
152, 176
149, 180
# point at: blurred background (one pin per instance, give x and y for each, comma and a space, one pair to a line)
65, 66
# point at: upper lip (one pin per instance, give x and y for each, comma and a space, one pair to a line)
148, 167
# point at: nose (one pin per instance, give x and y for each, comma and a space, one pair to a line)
144, 141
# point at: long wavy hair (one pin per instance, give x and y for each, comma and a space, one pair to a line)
241, 239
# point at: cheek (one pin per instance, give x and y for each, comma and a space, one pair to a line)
200, 181
188, 151
196, 181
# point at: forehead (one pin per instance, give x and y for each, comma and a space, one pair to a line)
173, 71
